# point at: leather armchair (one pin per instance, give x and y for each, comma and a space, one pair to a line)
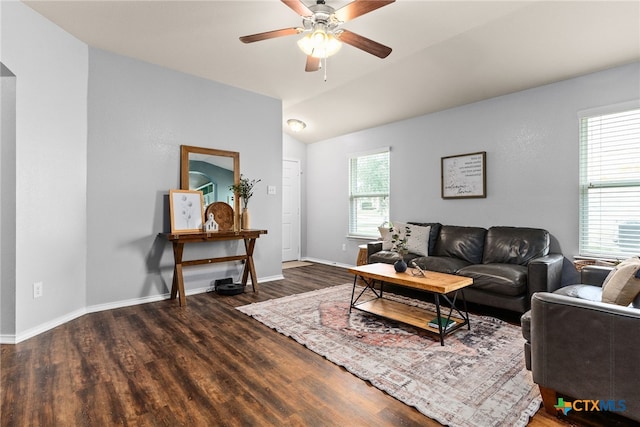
582, 348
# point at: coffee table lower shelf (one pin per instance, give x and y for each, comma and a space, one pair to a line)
414, 316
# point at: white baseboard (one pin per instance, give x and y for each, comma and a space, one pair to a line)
30, 333
137, 301
271, 278
44, 327
324, 261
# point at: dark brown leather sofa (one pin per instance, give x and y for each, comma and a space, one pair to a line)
584, 349
507, 264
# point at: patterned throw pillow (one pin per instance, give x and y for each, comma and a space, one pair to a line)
385, 237
622, 285
418, 241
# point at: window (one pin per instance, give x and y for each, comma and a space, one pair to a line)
368, 192
610, 184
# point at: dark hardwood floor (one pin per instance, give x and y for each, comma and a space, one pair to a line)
205, 364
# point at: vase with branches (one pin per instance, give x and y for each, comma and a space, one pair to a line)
399, 244
244, 190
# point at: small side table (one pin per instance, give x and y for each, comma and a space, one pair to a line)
362, 255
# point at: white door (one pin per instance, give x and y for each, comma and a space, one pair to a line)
290, 210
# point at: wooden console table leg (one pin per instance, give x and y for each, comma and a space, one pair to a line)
250, 268
177, 287
174, 283
181, 295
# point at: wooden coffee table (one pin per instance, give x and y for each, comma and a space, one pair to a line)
441, 285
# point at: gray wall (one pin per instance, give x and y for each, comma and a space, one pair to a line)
97, 148
139, 115
50, 165
531, 140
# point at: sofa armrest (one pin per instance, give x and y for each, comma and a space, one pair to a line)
594, 274
586, 349
372, 248
545, 273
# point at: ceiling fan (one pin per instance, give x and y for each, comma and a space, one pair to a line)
323, 32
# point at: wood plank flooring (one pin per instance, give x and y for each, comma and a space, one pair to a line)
202, 365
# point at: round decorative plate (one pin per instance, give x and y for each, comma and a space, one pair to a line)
222, 214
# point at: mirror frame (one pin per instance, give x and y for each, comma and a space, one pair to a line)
185, 150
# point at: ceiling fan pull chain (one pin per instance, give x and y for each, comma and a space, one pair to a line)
325, 69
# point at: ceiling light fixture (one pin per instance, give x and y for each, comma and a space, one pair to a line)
320, 43
296, 125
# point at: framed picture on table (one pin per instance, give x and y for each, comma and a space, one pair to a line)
186, 210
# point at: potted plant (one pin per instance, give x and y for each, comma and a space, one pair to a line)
399, 241
244, 190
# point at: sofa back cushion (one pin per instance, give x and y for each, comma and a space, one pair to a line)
465, 243
515, 245
433, 233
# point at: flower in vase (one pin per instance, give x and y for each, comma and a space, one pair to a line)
244, 189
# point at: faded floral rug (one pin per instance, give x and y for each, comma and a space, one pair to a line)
477, 379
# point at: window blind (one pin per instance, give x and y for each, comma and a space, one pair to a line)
610, 185
368, 193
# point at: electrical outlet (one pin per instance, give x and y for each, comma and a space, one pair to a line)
271, 189
38, 289
344, 246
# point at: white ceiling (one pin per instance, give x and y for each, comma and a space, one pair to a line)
445, 53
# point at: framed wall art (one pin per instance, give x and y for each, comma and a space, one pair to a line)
186, 209
464, 176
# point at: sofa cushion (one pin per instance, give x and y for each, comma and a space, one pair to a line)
622, 285
515, 245
418, 241
440, 264
503, 279
582, 291
589, 292
434, 232
465, 243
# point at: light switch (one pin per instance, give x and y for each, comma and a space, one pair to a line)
271, 189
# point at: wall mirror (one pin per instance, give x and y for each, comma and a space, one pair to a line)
212, 172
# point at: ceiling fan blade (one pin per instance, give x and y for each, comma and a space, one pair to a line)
313, 64
270, 35
358, 8
363, 43
298, 7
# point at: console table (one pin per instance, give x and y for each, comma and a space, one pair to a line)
179, 240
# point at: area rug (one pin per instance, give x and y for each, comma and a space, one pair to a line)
477, 379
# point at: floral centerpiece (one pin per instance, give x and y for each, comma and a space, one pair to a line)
244, 190
399, 244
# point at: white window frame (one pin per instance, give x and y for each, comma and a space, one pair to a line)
609, 210
354, 231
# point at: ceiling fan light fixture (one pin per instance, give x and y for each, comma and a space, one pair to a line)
296, 125
319, 44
